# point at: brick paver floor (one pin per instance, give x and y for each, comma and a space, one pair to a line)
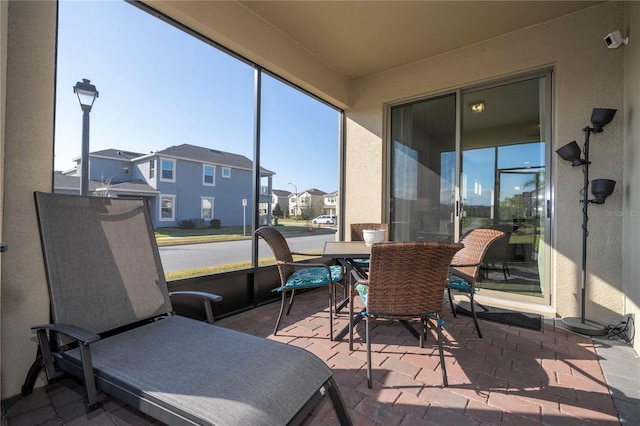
512, 376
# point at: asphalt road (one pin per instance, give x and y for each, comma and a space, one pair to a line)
193, 256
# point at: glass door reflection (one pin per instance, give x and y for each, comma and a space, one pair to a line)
423, 164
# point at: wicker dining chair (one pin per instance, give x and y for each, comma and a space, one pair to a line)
296, 275
405, 282
497, 255
466, 265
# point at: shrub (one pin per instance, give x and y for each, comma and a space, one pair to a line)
187, 224
215, 224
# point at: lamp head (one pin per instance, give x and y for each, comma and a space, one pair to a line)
601, 189
87, 94
571, 152
600, 117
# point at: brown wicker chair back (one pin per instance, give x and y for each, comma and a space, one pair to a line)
357, 228
280, 249
406, 279
476, 243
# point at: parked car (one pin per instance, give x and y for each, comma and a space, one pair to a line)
325, 219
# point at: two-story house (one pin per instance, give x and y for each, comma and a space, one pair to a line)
184, 182
281, 197
310, 200
330, 203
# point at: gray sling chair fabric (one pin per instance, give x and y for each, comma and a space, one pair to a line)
105, 275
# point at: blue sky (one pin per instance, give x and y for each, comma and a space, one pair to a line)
159, 87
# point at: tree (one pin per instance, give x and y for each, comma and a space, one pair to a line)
307, 213
277, 212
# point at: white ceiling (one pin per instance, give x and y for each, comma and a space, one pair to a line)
361, 38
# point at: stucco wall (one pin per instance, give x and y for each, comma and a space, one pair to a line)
631, 189
586, 75
28, 167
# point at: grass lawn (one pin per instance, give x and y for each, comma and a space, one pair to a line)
176, 236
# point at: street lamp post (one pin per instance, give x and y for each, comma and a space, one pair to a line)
87, 94
295, 209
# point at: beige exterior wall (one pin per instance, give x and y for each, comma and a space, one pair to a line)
27, 121
630, 188
587, 75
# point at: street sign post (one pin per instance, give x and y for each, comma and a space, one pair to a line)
244, 216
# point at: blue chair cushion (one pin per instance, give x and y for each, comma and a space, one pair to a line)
460, 284
311, 277
363, 263
362, 292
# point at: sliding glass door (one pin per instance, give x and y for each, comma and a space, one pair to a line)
423, 170
477, 158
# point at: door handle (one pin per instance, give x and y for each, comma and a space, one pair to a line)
548, 209
3, 247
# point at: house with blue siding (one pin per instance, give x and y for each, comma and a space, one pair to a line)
181, 183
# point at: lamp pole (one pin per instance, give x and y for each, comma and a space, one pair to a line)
87, 94
295, 209
585, 231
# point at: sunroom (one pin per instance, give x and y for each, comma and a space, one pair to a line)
443, 117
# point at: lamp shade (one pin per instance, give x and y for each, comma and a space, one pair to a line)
571, 152
601, 189
87, 94
600, 117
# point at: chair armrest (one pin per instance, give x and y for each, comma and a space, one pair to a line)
464, 265
453, 272
360, 276
206, 298
85, 338
82, 335
293, 253
201, 294
305, 265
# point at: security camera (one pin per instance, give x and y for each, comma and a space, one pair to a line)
614, 40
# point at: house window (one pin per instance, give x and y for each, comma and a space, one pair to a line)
208, 175
226, 172
206, 208
168, 173
152, 169
167, 207
125, 168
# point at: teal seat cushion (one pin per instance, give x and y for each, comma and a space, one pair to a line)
363, 263
460, 284
362, 292
311, 277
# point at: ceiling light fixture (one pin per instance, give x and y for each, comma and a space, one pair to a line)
477, 107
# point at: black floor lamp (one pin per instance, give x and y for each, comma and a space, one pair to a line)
601, 189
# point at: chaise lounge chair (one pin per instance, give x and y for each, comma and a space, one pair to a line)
113, 327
